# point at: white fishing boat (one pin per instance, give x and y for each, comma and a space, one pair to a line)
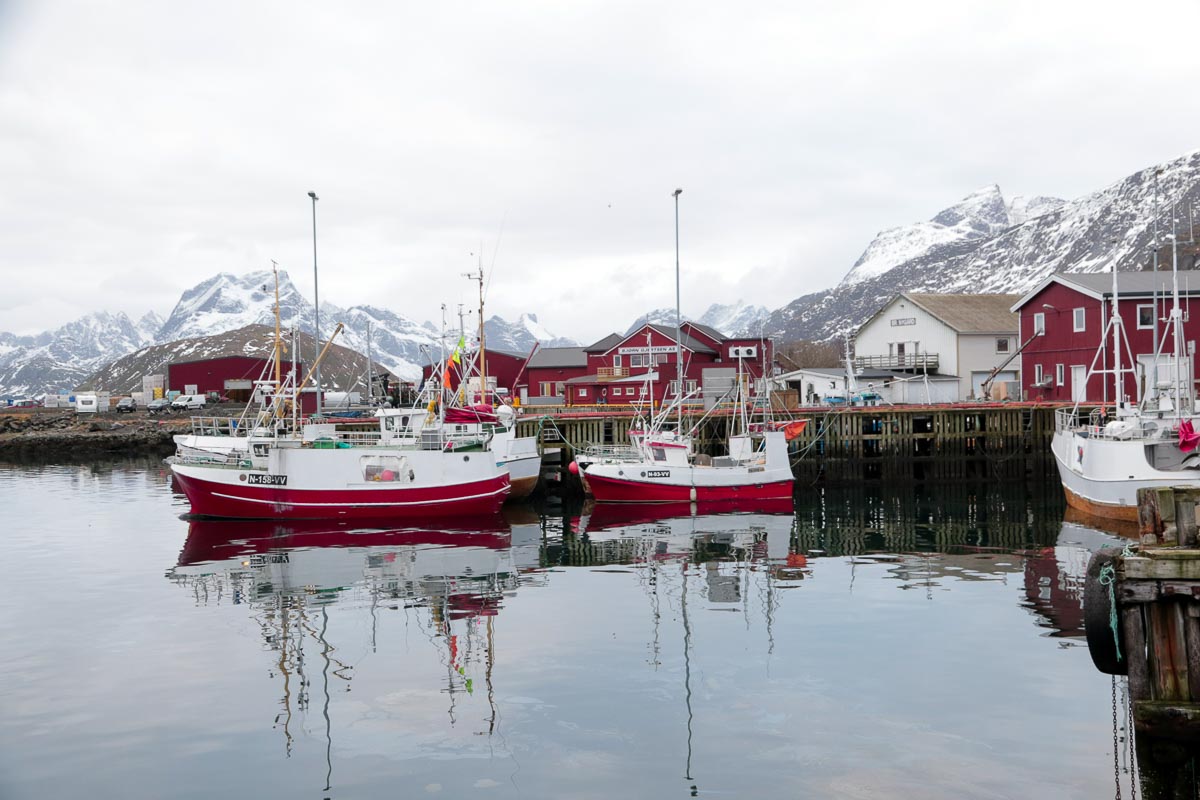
294, 471
1150, 443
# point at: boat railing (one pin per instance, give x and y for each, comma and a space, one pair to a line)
612, 452
216, 426
1095, 426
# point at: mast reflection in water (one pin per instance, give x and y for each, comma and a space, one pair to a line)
869, 643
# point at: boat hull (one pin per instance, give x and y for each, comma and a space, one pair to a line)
304, 483
1101, 477
607, 485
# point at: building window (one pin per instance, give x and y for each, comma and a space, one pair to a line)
639, 360
582, 392
617, 362
1060, 374
691, 386
1039, 323
1145, 316
1037, 375
560, 389
1002, 345
1080, 320
660, 358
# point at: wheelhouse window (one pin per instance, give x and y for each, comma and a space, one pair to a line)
1080, 320
1145, 316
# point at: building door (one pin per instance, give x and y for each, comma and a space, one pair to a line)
1078, 383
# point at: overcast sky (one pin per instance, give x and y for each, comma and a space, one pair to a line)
145, 146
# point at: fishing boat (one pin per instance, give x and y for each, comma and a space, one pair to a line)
1151, 443
659, 465
293, 471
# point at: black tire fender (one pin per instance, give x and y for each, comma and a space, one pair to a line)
1097, 607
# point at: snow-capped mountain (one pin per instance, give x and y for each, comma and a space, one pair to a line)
227, 302
1089, 234
520, 336
343, 368
980, 215
736, 319
60, 358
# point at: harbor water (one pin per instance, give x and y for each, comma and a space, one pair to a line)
917, 641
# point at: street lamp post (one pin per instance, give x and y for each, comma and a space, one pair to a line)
678, 322
316, 304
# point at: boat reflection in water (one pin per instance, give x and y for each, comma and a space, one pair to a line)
1055, 574
454, 576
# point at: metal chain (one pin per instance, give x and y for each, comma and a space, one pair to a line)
1116, 747
1134, 784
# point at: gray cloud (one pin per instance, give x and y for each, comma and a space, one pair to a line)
144, 147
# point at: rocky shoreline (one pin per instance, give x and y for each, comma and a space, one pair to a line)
39, 433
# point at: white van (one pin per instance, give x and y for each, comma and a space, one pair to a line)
188, 401
87, 404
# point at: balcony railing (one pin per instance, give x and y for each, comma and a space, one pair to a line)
923, 362
607, 373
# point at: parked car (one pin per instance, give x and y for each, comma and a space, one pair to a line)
161, 405
126, 405
184, 402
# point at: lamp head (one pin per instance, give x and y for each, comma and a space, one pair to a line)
313, 195
677, 192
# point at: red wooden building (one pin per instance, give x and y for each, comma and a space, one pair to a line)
1063, 320
228, 376
614, 369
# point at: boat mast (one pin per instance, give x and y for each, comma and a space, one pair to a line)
678, 325
278, 341
482, 366
370, 371
1118, 379
1177, 322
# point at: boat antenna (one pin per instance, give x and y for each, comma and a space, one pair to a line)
678, 323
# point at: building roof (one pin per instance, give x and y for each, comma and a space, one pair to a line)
695, 345
560, 357
709, 330
1134, 284
605, 344
970, 313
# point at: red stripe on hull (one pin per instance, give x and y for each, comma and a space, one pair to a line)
212, 499
612, 490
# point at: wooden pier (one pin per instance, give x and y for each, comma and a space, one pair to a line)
939, 442
1142, 612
